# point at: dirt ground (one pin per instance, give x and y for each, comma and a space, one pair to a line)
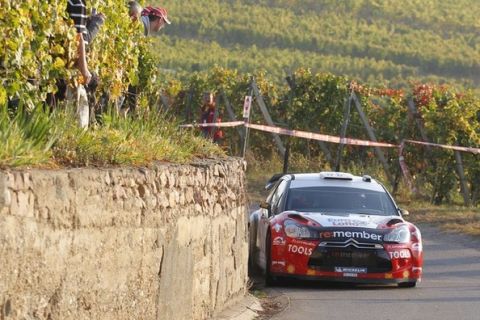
272, 300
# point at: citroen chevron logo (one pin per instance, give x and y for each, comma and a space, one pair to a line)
350, 243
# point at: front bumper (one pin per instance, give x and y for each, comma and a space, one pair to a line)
358, 263
382, 281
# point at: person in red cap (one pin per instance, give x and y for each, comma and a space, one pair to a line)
154, 19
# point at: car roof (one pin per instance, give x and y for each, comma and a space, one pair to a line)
334, 179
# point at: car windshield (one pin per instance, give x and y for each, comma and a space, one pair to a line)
340, 200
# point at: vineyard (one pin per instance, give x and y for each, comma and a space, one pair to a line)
316, 103
384, 42
39, 49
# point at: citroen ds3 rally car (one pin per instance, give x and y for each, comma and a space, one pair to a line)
334, 226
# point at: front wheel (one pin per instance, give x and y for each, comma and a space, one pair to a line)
410, 284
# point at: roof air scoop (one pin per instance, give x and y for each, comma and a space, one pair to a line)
367, 178
336, 175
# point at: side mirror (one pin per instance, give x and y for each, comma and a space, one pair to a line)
404, 212
265, 205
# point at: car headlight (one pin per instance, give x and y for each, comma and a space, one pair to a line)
295, 230
398, 235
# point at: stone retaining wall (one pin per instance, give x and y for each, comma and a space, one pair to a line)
166, 242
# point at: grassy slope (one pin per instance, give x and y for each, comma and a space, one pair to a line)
46, 140
372, 40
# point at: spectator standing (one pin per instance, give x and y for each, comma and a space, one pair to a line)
77, 10
210, 115
153, 20
87, 28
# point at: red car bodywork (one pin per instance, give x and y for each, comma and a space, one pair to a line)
351, 231
293, 257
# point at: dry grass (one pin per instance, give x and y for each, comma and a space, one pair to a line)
449, 218
258, 173
41, 139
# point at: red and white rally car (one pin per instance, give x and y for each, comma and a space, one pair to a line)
334, 226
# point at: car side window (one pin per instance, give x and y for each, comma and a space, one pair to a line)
272, 192
277, 197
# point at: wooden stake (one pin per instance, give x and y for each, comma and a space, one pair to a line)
231, 113
343, 131
267, 117
372, 136
461, 176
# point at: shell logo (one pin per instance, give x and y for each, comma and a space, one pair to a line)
291, 268
406, 274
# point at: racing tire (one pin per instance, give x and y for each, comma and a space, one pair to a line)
269, 279
410, 284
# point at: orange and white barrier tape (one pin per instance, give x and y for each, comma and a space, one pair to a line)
319, 137
216, 124
324, 137
457, 148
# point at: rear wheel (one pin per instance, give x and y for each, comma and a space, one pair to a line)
409, 284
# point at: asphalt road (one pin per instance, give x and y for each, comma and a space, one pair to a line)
450, 289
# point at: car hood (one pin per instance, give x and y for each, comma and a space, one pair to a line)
349, 220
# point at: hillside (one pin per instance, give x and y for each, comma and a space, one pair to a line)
371, 40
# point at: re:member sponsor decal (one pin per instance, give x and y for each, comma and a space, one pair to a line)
350, 234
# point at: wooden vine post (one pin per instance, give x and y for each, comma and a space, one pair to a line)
458, 158
343, 131
230, 112
266, 116
371, 134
